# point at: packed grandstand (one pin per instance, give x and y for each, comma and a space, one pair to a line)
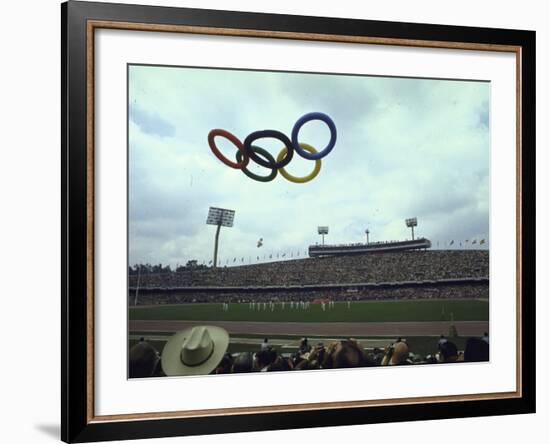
409, 274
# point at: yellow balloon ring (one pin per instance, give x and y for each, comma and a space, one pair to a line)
303, 179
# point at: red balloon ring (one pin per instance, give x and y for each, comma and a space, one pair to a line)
235, 141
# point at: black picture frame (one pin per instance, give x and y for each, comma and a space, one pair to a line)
77, 425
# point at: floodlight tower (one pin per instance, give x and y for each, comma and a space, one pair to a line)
367, 232
221, 218
322, 231
412, 222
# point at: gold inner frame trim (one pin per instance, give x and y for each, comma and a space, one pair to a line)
97, 24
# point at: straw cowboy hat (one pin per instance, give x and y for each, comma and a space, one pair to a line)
194, 351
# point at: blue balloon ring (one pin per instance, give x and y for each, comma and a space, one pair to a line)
298, 125
274, 134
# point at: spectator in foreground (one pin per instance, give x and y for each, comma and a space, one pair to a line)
448, 352
343, 354
194, 351
304, 346
396, 354
280, 364
225, 365
243, 363
476, 350
264, 358
374, 357
317, 355
143, 360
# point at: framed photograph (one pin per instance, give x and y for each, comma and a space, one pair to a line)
275, 221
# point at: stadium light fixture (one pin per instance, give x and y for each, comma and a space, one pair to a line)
322, 231
220, 217
367, 232
411, 223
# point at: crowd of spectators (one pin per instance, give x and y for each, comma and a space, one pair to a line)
145, 361
365, 268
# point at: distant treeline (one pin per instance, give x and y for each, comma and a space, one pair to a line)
155, 269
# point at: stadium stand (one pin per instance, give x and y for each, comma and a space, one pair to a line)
409, 274
371, 247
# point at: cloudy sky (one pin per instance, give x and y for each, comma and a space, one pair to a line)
405, 148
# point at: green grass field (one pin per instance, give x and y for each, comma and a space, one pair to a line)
371, 311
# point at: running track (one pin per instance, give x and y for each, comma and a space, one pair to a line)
465, 328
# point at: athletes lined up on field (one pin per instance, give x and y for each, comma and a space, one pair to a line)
291, 305
470, 291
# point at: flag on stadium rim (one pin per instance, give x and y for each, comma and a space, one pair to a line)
482, 241
474, 241
452, 242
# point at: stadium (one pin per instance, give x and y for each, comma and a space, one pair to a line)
404, 291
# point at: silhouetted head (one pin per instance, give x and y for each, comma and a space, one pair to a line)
476, 350
143, 360
243, 363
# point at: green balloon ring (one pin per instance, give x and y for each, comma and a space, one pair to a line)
264, 154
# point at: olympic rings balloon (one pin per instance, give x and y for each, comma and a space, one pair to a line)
268, 134
257, 150
246, 151
298, 125
303, 179
242, 163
